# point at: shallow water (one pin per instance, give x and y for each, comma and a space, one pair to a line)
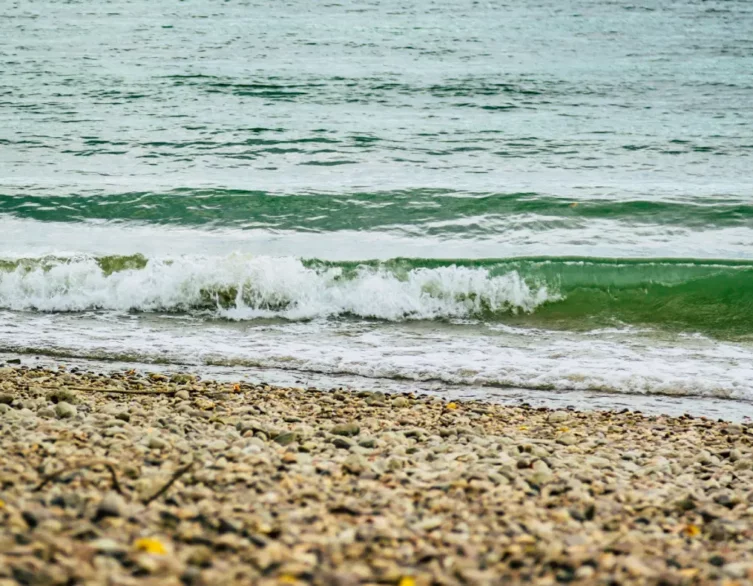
548, 197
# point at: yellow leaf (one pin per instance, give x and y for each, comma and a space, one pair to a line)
407, 581
564, 429
237, 387
449, 406
150, 545
2, 503
523, 427
574, 204
691, 530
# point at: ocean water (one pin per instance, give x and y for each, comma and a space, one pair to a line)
548, 200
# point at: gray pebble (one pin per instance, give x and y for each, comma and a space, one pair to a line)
342, 443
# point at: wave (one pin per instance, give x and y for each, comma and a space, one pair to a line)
707, 296
243, 287
423, 211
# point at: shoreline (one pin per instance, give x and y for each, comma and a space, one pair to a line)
167, 479
674, 405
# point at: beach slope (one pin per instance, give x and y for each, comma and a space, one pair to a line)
129, 478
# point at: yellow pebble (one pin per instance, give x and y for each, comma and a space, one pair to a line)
287, 579
407, 581
448, 406
691, 530
2, 503
150, 545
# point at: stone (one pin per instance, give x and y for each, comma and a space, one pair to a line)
738, 569
65, 410
343, 443
156, 443
346, 429
400, 402
110, 506
285, 438
354, 464
558, 417
567, 439
182, 379
108, 546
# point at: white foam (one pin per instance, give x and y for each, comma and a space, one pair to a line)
266, 287
619, 364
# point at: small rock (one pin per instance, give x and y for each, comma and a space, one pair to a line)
567, 439
342, 443
354, 464
65, 410
285, 438
217, 445
110, 506
183, 395
62, 395
108, 546
182, 379
46, 412
367, 442
346, 429
558, 417
4, 408
400, 402
738, 569
156, 443
6, 399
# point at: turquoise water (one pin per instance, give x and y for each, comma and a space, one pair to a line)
552, 196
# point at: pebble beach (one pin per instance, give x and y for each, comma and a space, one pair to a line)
136, 478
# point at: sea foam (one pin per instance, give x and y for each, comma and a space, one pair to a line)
247, 287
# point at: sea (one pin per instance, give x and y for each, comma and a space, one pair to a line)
541, 201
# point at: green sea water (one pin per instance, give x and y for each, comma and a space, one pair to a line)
492, 188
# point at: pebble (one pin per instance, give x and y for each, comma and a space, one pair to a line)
110, 506
558, 417
346, 429
400, 402
568, 439
342, 443
285, 438
156, 443
65, 410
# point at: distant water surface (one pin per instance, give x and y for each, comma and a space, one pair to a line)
529, 199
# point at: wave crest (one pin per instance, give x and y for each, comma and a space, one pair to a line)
244, 287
